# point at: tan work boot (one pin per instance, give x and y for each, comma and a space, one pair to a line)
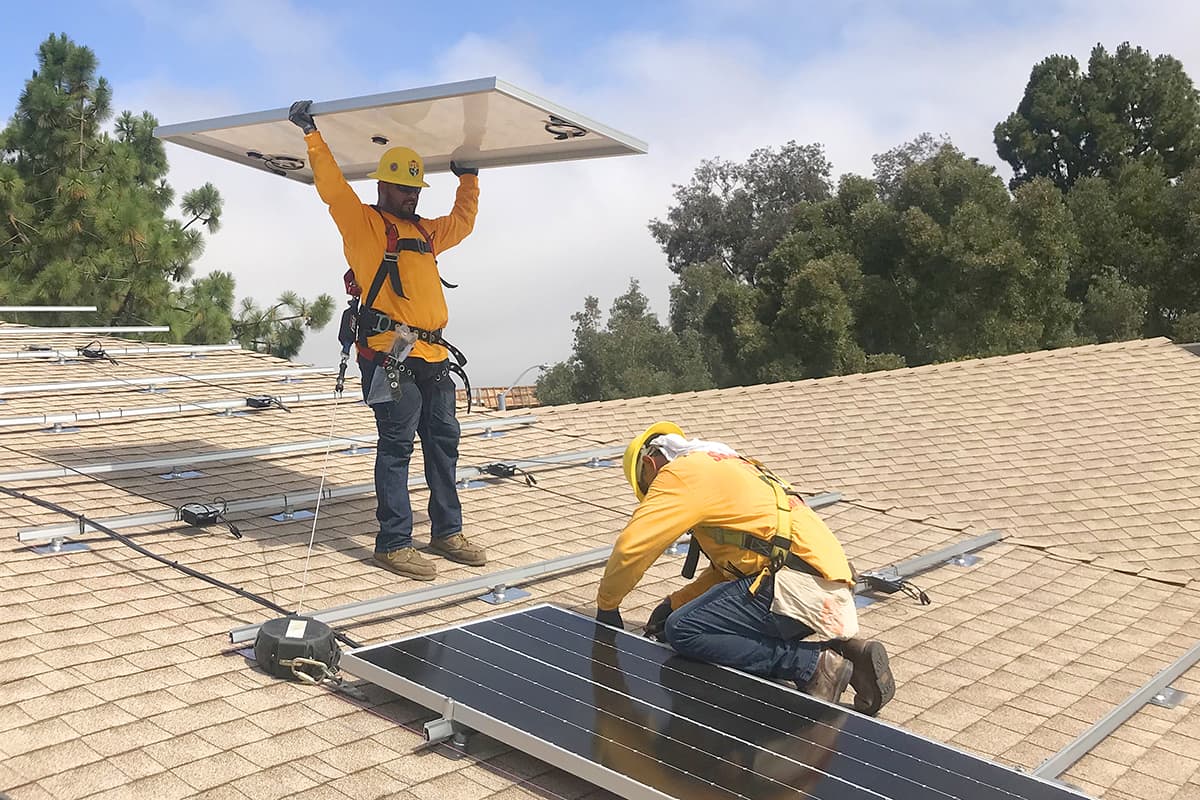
830, 679
407, 562
457, 548
872, 680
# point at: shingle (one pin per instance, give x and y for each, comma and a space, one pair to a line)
1082, 456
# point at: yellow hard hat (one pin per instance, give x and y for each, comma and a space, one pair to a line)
402, 166
633, 452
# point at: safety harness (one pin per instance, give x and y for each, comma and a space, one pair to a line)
777, 549
360, 320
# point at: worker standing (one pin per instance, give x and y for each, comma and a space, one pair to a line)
777, 575
404, 360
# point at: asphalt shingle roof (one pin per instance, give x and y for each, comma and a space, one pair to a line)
118, 679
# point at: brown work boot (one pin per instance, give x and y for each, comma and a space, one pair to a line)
830, 679
872, 680
456, 548
407, 562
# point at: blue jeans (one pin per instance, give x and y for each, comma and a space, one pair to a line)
729, 626
425, 408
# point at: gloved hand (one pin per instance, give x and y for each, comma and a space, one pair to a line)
298, 115
459, 170
658, 619
610, 618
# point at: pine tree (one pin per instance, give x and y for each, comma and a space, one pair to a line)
84, 216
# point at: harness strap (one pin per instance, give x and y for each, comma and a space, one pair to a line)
389, 267
777, 549
429, 239
385, 360
381, 323
692, 560
425, 235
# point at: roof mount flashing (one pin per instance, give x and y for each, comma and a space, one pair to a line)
1169, 697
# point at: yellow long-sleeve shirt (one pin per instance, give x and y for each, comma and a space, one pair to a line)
364, 240
704, 491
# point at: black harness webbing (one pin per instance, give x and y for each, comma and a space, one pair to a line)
369, 321
777, 549
751, 543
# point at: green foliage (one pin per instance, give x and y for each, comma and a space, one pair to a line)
933, 258
1129, 106
723, 313
1113, 309
86, 223
280, 329
734, 214
1187, 329
83, 214
630, 356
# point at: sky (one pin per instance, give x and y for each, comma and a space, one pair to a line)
696, 79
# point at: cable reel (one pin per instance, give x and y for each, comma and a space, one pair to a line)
297, 648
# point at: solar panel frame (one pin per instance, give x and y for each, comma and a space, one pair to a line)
486, 122
358, 662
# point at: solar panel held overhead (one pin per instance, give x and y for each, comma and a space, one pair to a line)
484, 122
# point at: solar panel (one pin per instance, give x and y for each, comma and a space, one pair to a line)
486, 122
632, 717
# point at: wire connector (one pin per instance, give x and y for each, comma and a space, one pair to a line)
201, 515
95, 351
890, 582
499, 470
265, 401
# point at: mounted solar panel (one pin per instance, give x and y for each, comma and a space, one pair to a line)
484, 122
633, 717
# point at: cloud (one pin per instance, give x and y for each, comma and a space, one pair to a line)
549, 235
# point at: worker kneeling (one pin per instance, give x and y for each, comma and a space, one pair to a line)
777, 597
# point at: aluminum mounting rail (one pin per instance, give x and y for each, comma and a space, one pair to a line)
15, 331
152, 383
915, 566
287, 503
153, 411
1063, 760
166, 349
10, 309
506, 578
191, 459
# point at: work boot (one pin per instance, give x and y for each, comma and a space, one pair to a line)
830, 679
456, 548
407, 562
872, 680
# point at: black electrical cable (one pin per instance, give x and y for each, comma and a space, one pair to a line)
186, 570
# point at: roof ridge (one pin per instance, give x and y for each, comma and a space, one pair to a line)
885, 374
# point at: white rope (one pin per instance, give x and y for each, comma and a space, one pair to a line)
312, 537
